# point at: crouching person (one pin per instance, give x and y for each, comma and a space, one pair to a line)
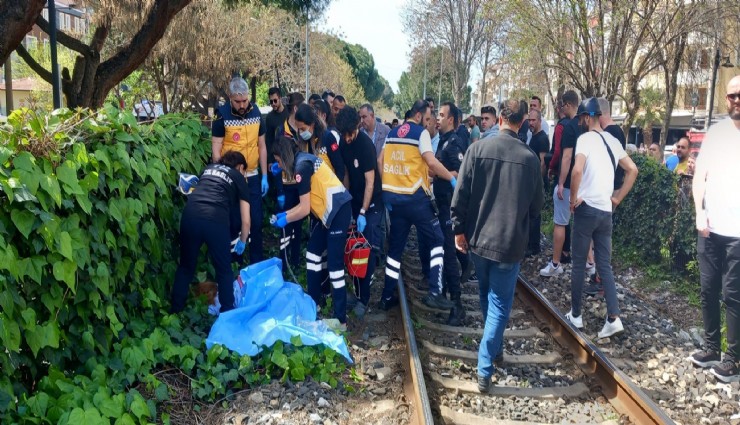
494, 224
205, 219
323, 196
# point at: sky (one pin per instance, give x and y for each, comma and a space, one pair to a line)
376, 25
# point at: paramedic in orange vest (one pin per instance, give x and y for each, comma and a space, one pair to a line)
238, 127
407, 160
323, 196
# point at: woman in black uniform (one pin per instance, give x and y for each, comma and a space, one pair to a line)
323, 196
221, 188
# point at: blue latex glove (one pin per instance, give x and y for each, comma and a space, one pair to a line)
361, 223
281, 201
275, 169
239, 248
281, 220
453, 182
265, 185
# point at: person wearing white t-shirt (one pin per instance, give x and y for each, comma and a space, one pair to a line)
592, 200
717, 204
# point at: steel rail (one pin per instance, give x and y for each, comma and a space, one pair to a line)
626, 397
422, 407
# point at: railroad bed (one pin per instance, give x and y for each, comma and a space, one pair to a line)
541, 378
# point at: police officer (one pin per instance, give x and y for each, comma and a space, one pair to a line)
407, 160
238, 127
325, 198
450, 153
363, 182
222, 187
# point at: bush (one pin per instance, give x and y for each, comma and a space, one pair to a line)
88, 224
655, 222
86, 233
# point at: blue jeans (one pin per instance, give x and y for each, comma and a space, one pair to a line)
402, 217
591, 223
498, 281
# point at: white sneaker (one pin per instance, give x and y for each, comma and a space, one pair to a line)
576, 321
551, 270
611, 328
590, 269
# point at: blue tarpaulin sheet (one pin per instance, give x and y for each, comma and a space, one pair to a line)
270, 310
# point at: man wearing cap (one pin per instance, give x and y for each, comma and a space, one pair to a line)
592, 200
239, 127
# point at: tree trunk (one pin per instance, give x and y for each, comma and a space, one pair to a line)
632, 103
647, 135
91, 80
16, 20
671, 75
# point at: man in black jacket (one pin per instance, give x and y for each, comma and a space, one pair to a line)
499, 189
450, 153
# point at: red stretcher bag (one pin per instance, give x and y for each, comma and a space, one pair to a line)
356, 254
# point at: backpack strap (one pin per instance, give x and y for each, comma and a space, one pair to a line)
608, 150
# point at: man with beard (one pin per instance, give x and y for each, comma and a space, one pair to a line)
682, 152
238, 127
717, 204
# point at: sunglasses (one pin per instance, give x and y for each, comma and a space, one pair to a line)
733, 97
274, 101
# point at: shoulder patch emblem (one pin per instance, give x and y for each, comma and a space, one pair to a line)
404, 130
236, 137
334, 147
298, 178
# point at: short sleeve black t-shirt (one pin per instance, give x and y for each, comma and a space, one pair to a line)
450, 153
618, 134
522, 134
571, 131
539, 143
273, 121
359, 158
220, 188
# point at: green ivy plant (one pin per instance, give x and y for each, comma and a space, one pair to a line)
89, 216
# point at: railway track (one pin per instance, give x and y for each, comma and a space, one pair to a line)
550, 372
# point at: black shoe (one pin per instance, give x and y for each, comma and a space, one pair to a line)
726, 371
564, 259
531, 253
705, 358
387, 304
457, 314
484, 384
594, 289
473, 278
438, 301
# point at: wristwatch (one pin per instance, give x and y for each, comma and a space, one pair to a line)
362, 211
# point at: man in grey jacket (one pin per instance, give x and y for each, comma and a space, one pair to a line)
499, 189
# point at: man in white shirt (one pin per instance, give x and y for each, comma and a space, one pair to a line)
717, 203
592, 200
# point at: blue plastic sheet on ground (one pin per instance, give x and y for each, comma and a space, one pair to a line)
270, 310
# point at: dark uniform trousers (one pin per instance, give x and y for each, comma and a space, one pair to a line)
331, 240
194, 232
402, 217
255, 216
292, 235
719, 268
451, 268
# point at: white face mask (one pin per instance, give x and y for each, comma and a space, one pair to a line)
306, 135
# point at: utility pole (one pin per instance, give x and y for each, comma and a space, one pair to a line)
439, 93
56, 90
8, 87
424, 96
307, 22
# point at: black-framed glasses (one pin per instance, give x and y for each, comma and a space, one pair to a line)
274, 101
733, 97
